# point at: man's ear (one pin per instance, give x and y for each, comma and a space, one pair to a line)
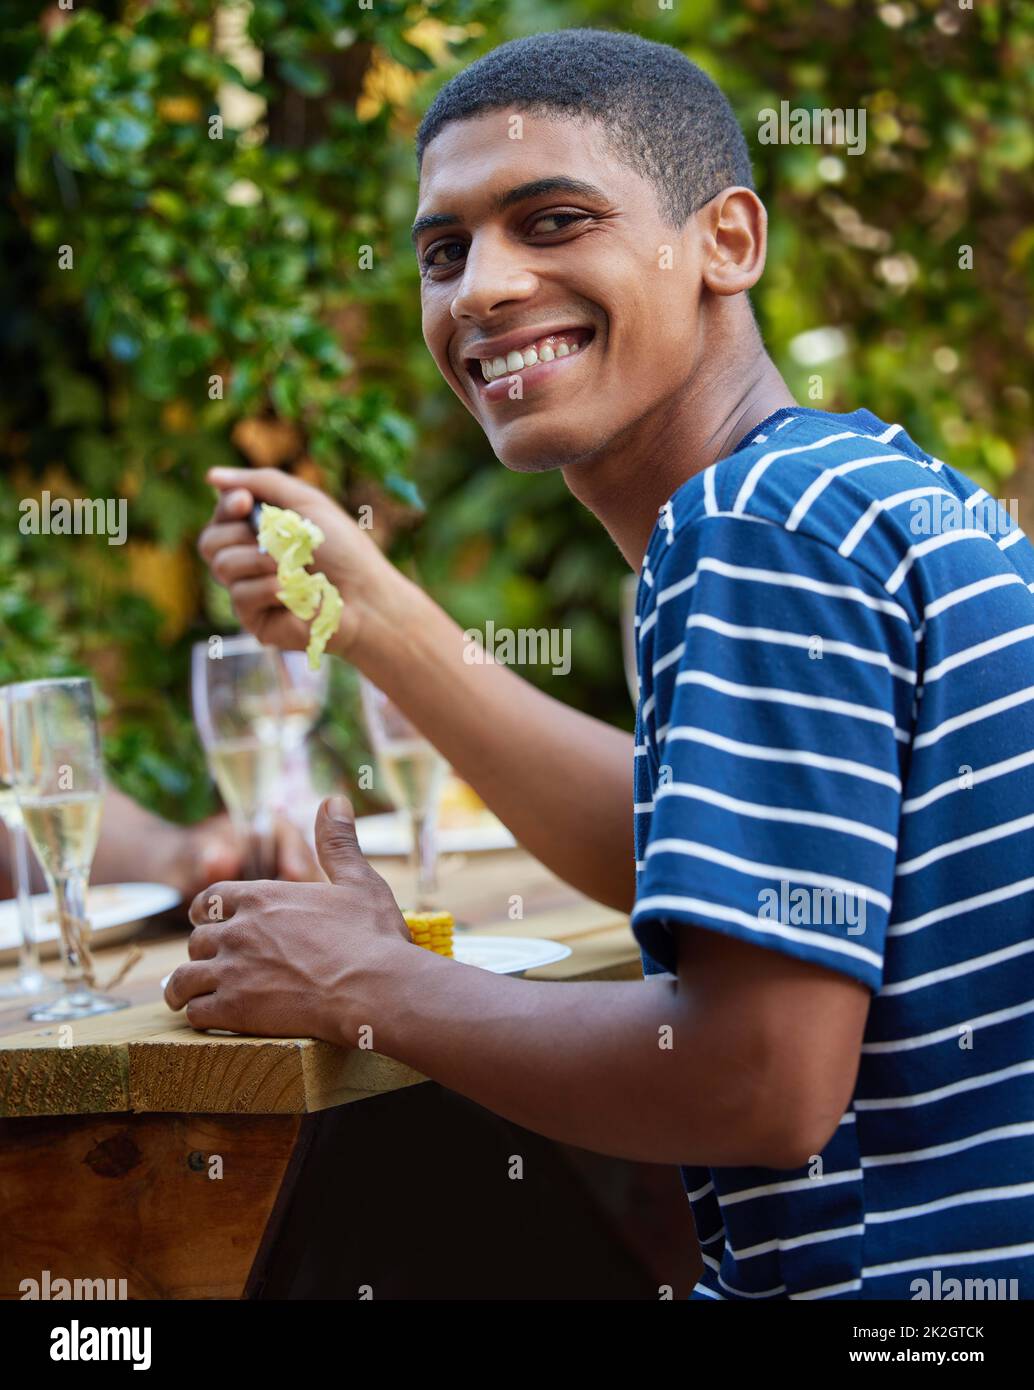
734, 227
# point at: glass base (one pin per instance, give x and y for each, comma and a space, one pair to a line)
77, 1003
26, 986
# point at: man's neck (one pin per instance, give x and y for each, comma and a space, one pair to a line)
627, 486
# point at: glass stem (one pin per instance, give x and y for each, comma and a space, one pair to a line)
425, 860
260, 861
70, 897
28, 955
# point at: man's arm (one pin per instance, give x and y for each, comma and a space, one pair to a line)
763, 1053
560, 780
748, 1057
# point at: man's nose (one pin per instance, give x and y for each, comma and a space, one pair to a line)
494, 274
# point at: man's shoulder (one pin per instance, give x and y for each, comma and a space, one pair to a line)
809, 475
783, 471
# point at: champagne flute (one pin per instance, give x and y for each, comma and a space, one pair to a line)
414, 774
59, 780
30, 979
304, 695
238, 709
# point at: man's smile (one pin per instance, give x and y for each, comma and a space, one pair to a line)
534, 355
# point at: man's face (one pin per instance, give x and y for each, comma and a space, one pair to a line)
587, 282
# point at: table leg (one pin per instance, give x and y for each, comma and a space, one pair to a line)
176, 1205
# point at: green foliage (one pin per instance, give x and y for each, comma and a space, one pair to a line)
167, 281
215, 297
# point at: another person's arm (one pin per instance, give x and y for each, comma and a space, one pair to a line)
136, 846
560, 780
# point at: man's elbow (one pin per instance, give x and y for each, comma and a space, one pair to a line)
791, 1149
793, 1131
787, 1113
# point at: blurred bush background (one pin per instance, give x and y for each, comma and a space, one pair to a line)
235, 184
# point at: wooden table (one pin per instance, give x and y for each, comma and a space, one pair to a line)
139, 1149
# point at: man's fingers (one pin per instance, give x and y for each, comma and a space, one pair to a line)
208, 1011
237, 562
218, 536
264, 484
215, 903
189, 981
204, 941
235, 505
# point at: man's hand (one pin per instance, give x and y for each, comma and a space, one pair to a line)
348, 557
215, 849
282, 960
135, 844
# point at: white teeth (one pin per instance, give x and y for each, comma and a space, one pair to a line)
514, 361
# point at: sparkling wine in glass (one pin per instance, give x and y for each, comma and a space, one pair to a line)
30, 979
414, 775
304, 695
238, 708
59, 781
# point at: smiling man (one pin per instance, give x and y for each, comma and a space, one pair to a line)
833, 776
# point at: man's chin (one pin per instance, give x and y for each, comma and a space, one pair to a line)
541, 449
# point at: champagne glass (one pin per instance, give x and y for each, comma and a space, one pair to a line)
238, 708
59, 780
414, 774
30, 979
629, 634
304, 695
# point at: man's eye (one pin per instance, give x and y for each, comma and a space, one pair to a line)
560, 220
445, 253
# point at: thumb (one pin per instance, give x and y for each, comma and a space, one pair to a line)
337, 847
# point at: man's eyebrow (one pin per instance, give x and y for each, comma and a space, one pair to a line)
535, 189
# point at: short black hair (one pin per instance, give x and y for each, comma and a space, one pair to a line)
664, 116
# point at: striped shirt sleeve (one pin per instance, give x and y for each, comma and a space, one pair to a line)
778, 684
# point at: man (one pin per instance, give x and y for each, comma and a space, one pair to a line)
834, 775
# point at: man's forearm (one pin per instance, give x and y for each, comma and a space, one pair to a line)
627, 1068
561, 781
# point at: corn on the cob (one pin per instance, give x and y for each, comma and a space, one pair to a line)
432, 930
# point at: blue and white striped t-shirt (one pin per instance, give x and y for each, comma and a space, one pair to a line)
835, 759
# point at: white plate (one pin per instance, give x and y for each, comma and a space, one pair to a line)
507, 955
503, 955
114, 910
389, 834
